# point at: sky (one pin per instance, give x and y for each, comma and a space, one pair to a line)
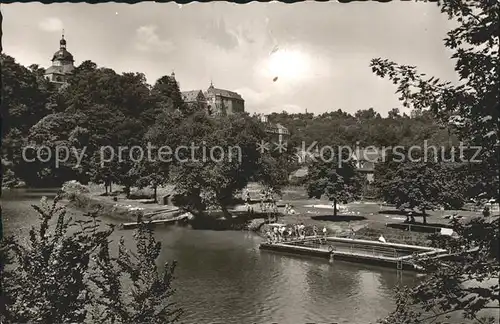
310, 56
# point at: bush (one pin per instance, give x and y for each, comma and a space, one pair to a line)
144, 193
74, 187
79, 200
65, 273
9, 179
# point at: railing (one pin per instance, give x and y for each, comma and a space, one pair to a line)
367, 247
400, 256
352, 248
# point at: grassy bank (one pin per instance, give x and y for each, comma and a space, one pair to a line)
88, 203
368, 220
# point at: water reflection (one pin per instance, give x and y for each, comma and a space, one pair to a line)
222, 277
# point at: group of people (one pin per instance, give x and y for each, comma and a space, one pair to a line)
267, 201
289, 209
291, 232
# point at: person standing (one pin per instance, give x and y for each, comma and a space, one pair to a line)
269, 237
282, 232
486, 211
301, 230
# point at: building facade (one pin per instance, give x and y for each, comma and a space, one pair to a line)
216, 101
277, 132
365, 161
62, 65
224, 102
195, 98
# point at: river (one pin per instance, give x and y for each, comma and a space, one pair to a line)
222, 276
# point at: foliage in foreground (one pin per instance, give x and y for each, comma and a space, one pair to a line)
465, 283
468, 282
65, 273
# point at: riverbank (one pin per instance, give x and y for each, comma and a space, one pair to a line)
366, 220
127, 210
219, 266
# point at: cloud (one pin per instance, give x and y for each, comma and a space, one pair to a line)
51, 24
217, 34
149, 41
252, 97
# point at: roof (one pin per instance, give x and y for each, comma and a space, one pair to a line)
279, 126
62, 55
224, 93
191, 96
302, 172
63, 69
276, 128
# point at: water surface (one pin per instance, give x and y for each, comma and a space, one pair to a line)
222, 276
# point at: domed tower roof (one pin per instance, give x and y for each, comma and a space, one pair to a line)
62, 54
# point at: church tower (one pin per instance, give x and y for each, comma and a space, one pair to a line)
172, 77
62, 65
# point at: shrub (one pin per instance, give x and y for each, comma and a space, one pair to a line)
64, 273
144, 193
75, 187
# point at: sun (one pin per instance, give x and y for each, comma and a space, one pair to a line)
288, 64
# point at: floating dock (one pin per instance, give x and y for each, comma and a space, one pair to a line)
175, 219
397, 256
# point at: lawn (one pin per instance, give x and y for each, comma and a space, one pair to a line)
367, 219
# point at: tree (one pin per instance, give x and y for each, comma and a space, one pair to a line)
460, 284
23, 96
272, 172
210, 176
275, 164
337, 180
164, 133
60, 133
152, 173
394, 113
419, 185
167, 95
476, 100
366, 114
